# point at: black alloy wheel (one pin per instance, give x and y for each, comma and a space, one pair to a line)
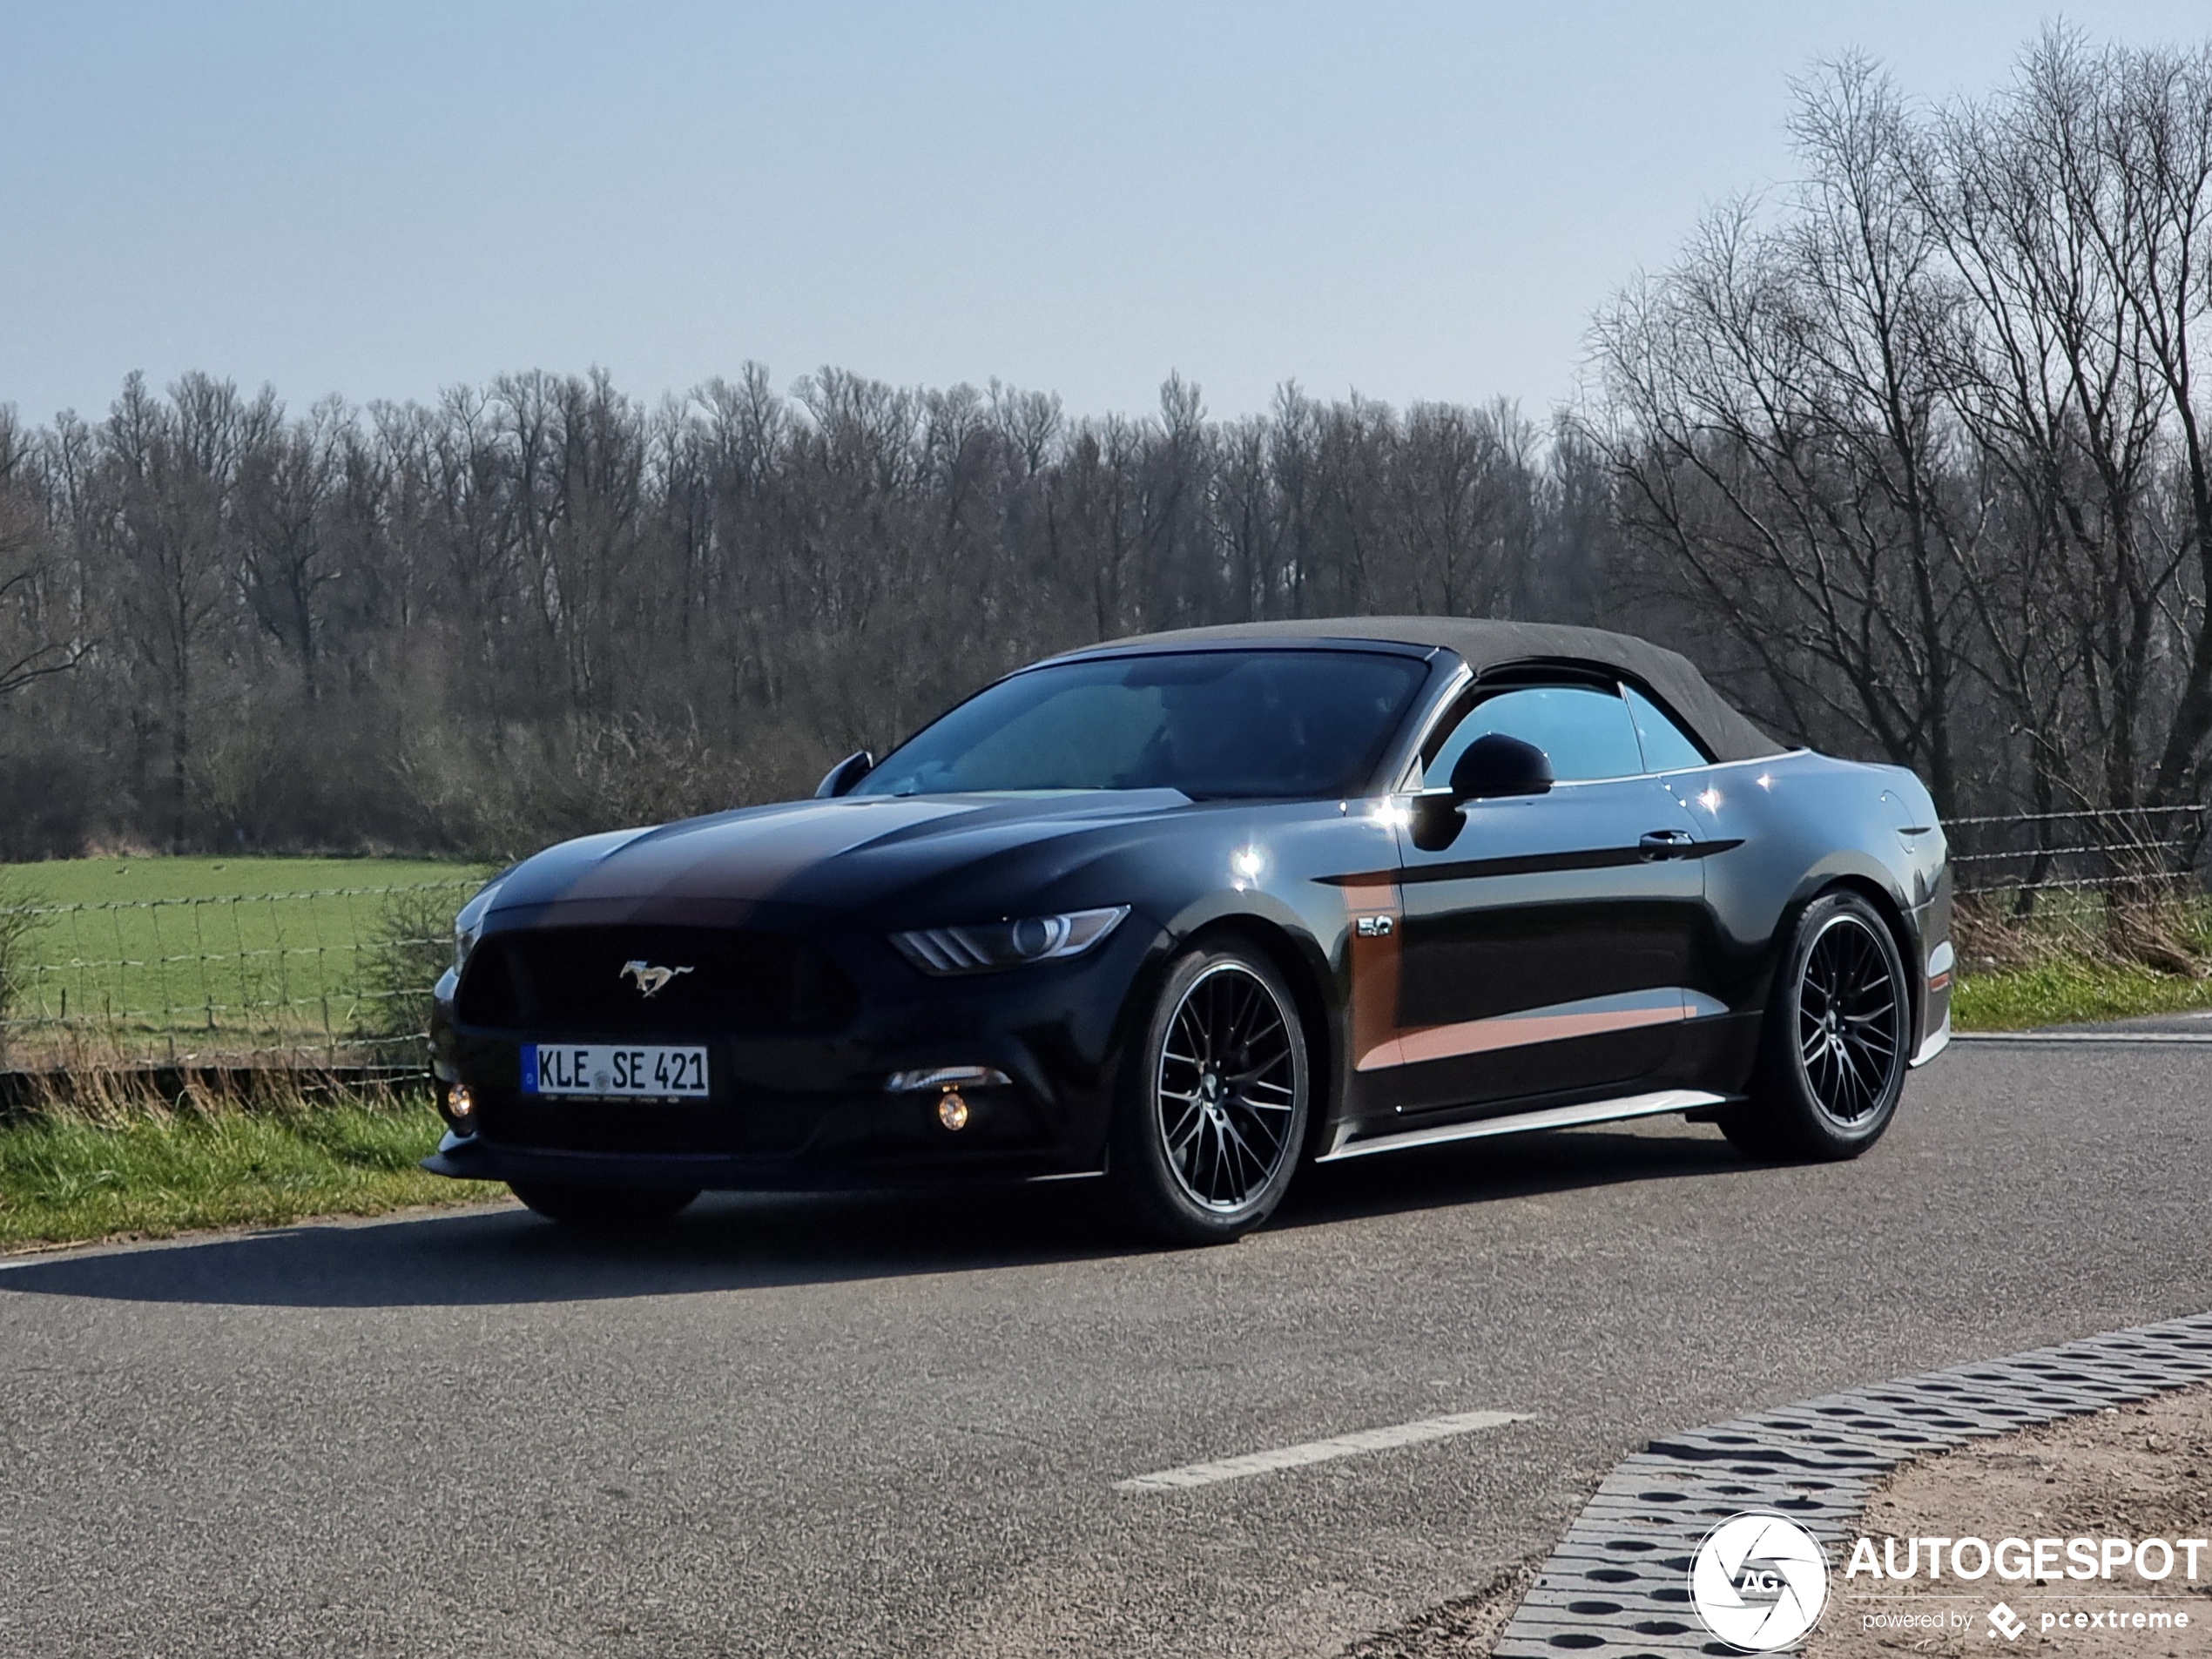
1838, 1039
1209, 1130
1850, 1023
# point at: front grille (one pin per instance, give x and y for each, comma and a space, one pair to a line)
571, 980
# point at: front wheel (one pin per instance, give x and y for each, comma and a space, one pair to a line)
1834, 1052
602, 1209
1213, 1106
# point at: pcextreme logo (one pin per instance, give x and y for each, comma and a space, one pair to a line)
1759, 1581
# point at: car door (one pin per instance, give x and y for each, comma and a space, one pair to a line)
1547, 944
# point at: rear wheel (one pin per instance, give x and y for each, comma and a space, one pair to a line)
1833, 1054
1213, 1109
603, 1209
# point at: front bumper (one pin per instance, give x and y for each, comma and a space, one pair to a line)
812, 1112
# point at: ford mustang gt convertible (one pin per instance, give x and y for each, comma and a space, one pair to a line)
1187, 911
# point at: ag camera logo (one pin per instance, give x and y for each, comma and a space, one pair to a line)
1759, 1581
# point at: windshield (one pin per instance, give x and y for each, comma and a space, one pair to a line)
1242, 722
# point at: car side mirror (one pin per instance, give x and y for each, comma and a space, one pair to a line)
839, 779
1496, 764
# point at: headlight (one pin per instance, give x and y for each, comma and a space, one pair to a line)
468, 926
986, 945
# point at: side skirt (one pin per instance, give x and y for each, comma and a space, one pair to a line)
1594, 1111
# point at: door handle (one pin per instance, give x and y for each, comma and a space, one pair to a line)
1663, 843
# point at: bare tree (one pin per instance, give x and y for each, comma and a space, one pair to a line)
39, 631
157, 527
284, 489
2071, 211
1776, 422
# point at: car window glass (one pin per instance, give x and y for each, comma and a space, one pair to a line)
1667, 747
1583, 730
1078, 736
1253, 723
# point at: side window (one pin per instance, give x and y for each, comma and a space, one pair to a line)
1667, 747
1584, 730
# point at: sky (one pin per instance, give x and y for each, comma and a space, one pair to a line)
381, 199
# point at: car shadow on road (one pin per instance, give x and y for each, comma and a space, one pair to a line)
733, 1242
1509, 1167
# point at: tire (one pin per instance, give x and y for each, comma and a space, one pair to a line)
603, 1209
1835, 1045
1213, 1103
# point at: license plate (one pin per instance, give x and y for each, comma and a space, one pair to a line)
598, 1068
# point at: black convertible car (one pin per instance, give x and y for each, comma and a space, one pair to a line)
1187, 910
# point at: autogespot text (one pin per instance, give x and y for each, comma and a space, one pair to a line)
2020, 1559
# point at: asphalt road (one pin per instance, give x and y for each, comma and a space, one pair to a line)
864, 1426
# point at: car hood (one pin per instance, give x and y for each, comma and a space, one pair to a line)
845, 853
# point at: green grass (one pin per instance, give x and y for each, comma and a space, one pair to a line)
2068, 991
64, 1178
2077, 958
214, 954
59, 881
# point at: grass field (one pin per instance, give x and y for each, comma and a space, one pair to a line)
96, 881
2070, 991
64, 1178
186, 956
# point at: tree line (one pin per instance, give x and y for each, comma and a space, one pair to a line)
1910, 457
540, 606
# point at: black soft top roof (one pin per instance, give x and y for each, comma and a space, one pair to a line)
1485, 644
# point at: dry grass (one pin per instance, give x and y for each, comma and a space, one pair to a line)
2152, 927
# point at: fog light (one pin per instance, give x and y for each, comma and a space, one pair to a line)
952, 1111
461, 1105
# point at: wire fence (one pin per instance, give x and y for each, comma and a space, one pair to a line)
335, 977
2125, 886
341, 976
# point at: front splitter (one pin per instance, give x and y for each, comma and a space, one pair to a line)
467, 1158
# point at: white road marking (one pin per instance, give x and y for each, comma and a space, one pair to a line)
1291, 1456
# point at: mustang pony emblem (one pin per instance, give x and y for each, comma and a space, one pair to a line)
652, 979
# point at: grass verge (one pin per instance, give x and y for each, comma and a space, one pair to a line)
2067, 991
66, 1178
